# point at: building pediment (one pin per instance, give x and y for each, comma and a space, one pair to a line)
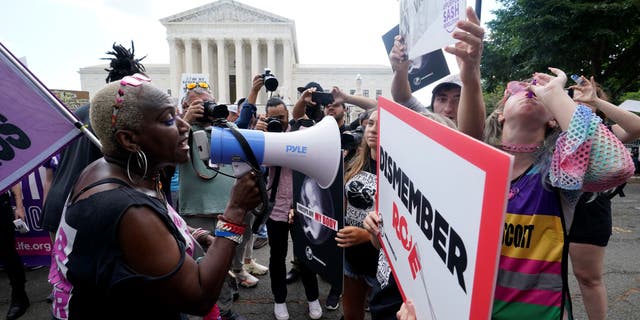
224, 11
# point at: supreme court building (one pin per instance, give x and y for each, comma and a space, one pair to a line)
232, 42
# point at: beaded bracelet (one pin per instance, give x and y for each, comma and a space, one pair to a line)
233, 227
230, 231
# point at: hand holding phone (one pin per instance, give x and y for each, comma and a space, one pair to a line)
322, 98
20, 226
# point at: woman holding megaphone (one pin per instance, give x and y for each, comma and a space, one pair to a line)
121, 251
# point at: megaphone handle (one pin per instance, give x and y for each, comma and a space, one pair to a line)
252, 162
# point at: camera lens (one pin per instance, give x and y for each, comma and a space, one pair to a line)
217, 111
274, 125
270, 81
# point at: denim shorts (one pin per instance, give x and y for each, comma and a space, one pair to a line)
348, 272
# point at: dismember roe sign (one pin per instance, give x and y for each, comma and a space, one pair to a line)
442, 198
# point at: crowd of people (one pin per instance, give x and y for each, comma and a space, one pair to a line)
142, 228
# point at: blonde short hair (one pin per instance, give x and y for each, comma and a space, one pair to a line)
130, 114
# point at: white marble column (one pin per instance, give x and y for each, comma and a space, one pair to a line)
241, 77
255, 58
222, 92
174, 76
206, 57
271, 54
287, 69
188, 55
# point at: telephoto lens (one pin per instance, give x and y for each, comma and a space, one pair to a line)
270, 80
216, 111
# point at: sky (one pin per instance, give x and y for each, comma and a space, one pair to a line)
58, 37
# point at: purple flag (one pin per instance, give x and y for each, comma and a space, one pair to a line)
33, 123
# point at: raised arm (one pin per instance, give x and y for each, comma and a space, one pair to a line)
609, 162
400, 88
360, 101
468, 51
248, 108
298, 109
627, 124
258, 83
150, 249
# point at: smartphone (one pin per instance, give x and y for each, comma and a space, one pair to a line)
20, 226
322, 98
577, 79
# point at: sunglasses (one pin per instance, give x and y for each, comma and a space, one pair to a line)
135, 80
192, 85
515, 87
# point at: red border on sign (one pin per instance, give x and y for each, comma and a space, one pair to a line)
495, 164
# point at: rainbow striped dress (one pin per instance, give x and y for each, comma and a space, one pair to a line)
533, 260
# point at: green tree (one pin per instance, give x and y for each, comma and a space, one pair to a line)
635, 95
589, 37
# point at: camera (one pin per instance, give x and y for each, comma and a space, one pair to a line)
274, 125
213, 110
350, 140
270, 80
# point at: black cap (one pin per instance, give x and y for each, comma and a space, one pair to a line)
311, 85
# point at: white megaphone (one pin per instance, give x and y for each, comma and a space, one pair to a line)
314, 152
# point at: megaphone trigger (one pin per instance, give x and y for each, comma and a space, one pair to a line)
240, 168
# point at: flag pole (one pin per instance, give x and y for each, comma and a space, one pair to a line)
59, 105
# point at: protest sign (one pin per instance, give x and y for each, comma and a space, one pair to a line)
319, 216
427, 25
188, 78
442, 198
433, 65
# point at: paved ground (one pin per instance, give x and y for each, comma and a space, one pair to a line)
622, 276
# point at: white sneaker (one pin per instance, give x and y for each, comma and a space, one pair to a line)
255, 268
245, 279
280, 311
315, 309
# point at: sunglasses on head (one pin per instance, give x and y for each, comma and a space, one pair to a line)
135, 80
193, 85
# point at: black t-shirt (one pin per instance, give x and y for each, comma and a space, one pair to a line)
73, 160
97, 283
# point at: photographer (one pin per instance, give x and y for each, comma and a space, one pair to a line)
350, 139
280, 185
203, 193
309, 103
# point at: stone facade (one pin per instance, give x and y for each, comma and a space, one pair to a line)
232, 42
